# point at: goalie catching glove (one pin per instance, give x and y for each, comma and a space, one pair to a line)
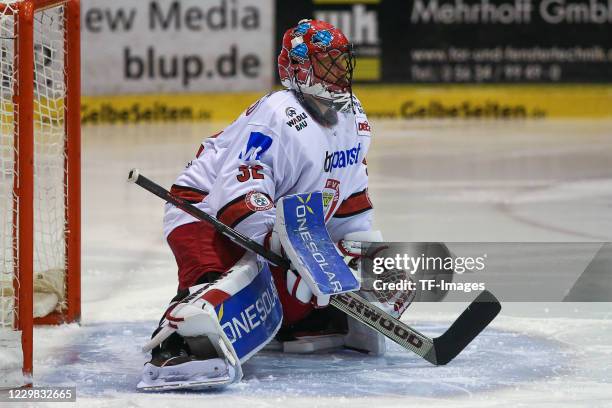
358, 247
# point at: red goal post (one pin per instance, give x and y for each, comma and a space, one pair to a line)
40, 117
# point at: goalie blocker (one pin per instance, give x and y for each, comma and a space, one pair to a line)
301, 227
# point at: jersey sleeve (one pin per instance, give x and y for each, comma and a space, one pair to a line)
245, 189
355, 211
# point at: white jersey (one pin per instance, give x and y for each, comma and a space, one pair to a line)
275, 148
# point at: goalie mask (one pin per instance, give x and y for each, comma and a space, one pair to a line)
317, 59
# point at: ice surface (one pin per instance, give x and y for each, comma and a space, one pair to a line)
105, 356
430, 181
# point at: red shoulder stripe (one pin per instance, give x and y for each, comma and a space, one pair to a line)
355, 204
190, 194
241, 207
234, 211
200, 150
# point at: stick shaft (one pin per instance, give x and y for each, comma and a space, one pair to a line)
461, 333
349, 303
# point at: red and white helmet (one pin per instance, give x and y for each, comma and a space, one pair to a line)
317, 59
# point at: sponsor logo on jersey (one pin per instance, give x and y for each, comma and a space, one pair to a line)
257, 201
301, 212
341, 158
322, 39
256, 146
299, 121
363, 126
331, 196
290, 112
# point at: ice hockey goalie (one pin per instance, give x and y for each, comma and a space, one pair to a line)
312, 136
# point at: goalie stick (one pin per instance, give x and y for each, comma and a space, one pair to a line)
439, 350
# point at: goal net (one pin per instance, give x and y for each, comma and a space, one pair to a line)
37, 166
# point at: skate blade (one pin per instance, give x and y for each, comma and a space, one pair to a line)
208, 383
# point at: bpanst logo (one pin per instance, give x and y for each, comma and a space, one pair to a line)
341, 158
301, 210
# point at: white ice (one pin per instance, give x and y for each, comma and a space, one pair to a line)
430, 181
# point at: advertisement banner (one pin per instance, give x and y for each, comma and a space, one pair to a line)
506, 41
382, 102
469, 41
162, 46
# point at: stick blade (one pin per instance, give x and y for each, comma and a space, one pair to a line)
472, 321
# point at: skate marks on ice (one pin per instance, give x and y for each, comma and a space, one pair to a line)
488, 363
105, 359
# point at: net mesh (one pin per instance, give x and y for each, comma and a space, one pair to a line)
7, 161
49, 159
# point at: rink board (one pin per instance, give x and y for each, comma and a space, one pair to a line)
402, 102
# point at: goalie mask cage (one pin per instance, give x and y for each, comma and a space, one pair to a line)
39, 175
